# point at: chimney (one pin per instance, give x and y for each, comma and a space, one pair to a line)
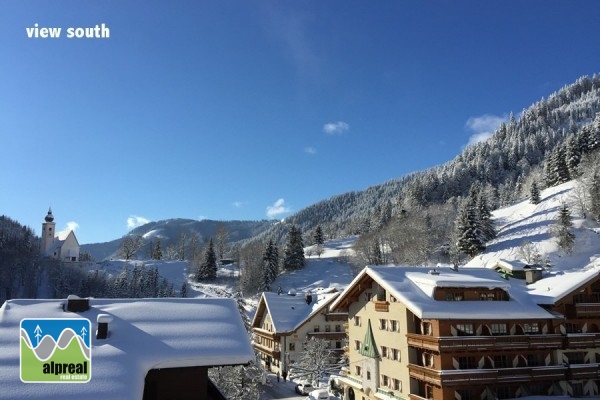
308, 297
77, 304
103, 320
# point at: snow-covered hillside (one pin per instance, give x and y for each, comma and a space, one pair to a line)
524, 221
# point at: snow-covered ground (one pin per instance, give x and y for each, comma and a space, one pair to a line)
523, 221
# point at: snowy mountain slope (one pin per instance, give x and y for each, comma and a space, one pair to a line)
523, 221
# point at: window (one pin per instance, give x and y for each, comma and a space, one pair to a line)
358, 371
368, 375
292, 346
427, 328
534, 360
357, 345
501, 361
579, 298
327, 328
396, 354
385, 381
394, 326
577, 357
381, 294
454, 296
533, 327
397, 384
383, 324
570, 327
464, 329
357, 321
384, 351
498, 329
464, 394
338, 345
338, 328
466, 363
427, 360
316, 329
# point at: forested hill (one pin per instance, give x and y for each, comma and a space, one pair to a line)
502, 165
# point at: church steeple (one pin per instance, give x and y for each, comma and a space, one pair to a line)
48, 231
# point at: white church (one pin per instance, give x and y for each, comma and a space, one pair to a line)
64, 247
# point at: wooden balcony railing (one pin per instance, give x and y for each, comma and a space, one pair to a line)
382, 306
584, 371
587, 310
487, 376
273, 352
482, 343
265, 333
582, 340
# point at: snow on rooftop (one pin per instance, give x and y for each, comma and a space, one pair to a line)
144, 334
413, 287
288, 312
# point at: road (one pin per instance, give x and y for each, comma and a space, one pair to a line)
280, 390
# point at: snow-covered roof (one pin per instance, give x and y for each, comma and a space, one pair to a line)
289, 312
414, 287
558, 284
144, 334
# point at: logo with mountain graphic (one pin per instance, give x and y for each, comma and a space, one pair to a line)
56, 350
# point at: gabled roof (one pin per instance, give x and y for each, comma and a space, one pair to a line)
287, 312
414, 287
144, 334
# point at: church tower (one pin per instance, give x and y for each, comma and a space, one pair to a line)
48, 233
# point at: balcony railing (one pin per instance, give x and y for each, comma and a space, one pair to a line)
336, 316
584, 371
328, 335
582, 340
273, 352
481, 343
265, 333
487, 376
382, 306
587, 310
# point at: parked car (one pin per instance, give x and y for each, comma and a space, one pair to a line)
319, 394
304, 388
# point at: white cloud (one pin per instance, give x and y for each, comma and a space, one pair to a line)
483, 127
310, 150
238, 204
277, 208
135, 220
336, 128
70, 226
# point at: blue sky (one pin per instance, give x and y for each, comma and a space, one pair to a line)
249, 110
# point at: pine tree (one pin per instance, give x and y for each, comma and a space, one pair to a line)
157, 252
293, 256
534, 194
318, 240
208, 269
484, 216
562, 230
183, 291
470, 238
270, 266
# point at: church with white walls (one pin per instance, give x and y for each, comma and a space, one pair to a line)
63, 247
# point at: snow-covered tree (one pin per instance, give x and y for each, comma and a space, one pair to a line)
208, 269
316, 359
562, 230
534, 194
293, 258
270, 265
470, 238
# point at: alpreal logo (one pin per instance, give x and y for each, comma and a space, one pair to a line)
56, 350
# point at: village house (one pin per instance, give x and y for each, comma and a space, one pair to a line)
470, 333
146, 349
63, 247
283, 322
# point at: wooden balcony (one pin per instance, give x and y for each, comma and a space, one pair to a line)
266, 334
449, 344
583, 310
487, 376
584, 371
339, 316
381, 306
582, 340
273, 352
